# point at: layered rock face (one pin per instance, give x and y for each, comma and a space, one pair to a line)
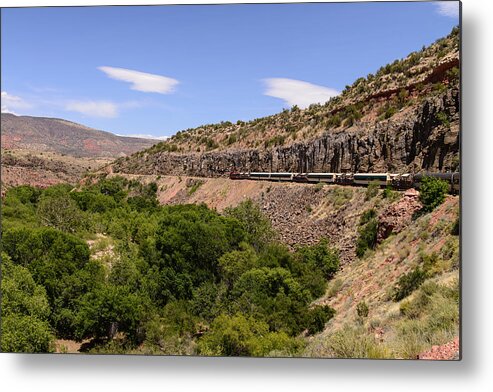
422, 138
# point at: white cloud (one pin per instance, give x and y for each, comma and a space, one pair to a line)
145, 136
298, 92
93, 108
141, 81
10, 103
448, 8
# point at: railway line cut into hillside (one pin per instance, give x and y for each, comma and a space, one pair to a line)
393, 180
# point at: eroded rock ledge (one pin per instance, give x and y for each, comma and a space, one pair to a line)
425, 138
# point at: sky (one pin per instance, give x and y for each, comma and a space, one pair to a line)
156, 70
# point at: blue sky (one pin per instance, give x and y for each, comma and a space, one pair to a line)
157, 70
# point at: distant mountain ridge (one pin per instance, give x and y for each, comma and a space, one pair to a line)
42, 134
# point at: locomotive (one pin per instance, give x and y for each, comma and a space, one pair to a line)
396, 181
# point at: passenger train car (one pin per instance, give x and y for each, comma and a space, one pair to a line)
396, 181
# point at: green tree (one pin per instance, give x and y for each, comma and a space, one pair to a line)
93, 202
321, 257
372, 190
432, 192
60, 263
317, 317
314, 265
20, 294
190, 240
60, 212
25, 311
19, 206
234, 264
244, 336
367, 232
254, 222
26, 334
108, 310
274, 296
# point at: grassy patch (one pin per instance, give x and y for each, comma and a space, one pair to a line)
339, 196
334, 287
194, 187
430, 317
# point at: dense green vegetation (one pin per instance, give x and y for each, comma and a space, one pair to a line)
155, 279
367, 232
432, 192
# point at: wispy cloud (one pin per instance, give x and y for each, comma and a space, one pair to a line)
145, 136
448, 8
93, 108
11, 103
298, 92
142, 81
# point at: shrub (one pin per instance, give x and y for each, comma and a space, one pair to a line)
318, 317
389, 194
362, 309
334, 287
429, 318
386, 112
340, 196
242, 336
352, 342
372, 190
367, 232
194, 187
432, 193
231, 139
443, 119
409, 282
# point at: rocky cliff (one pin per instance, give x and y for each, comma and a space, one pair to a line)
422, 137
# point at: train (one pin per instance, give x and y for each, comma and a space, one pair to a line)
393, 180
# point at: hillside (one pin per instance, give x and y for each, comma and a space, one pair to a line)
43, 169
405, 117
46, 151
42, 134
